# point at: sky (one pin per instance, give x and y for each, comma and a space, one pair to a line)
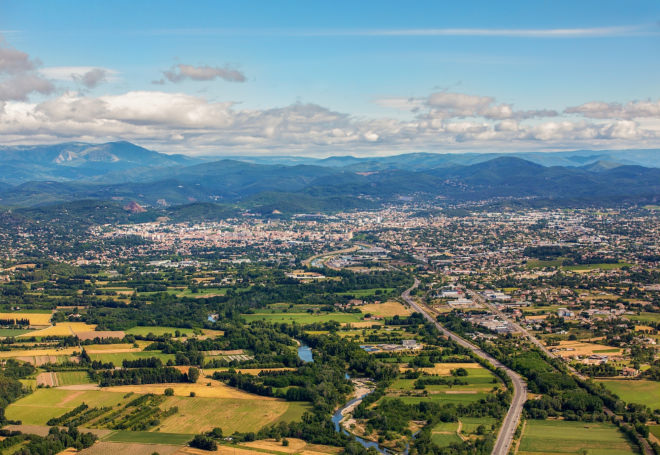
332, 78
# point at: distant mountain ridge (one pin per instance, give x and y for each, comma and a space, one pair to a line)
80, 161
125, 173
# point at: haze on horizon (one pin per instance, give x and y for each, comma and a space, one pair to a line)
320, 79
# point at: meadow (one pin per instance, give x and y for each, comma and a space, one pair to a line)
636, 391
556, 436
644, 317
44, 404
203, 414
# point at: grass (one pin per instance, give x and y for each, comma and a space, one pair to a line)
146, 437
13, 332
644, 317
444, 439
636, 391
458, 398
117, 358
655, 430
304, 318
555, 436
73, 377
44, 404
470, 424
539, 264
203, 414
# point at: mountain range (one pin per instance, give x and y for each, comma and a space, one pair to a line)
123, 172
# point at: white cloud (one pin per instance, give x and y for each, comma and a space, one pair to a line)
181, 72
185, 123
88, 76
630, 110
18, 78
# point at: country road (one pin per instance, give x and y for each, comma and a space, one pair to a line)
510, 423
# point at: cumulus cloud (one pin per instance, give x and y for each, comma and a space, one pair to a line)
18, 76
186, 123
447, 105
630, 110
91, 78
181, 72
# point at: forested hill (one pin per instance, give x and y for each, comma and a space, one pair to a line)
160, 181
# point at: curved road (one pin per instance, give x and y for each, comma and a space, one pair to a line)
508, 428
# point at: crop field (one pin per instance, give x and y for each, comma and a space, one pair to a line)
125, 448
62, 329
295, 446
387, 309
73, 378
573, 348
636, 391
37, 352
13, 332
304, 318
444, 369
44, 404
554, 436
250, 371
197, 414
217, 390
116, 347
644, 317
117, 358
35, 318
147, 437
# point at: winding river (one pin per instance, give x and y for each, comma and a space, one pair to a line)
305, 354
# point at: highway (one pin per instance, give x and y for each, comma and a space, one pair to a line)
510, 423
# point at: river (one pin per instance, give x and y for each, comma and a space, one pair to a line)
305, 354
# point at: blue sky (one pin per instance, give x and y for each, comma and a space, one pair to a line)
333, 77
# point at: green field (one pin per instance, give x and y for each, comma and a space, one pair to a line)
73, 377
459, 398
40, 406
304, 318
597, 266
444, 439
117, 358
644, 317
555, 436
203, 414
156, 330
146, 437
195, 415
636, 391
539, 264
13, 332
470, 424
655, 430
